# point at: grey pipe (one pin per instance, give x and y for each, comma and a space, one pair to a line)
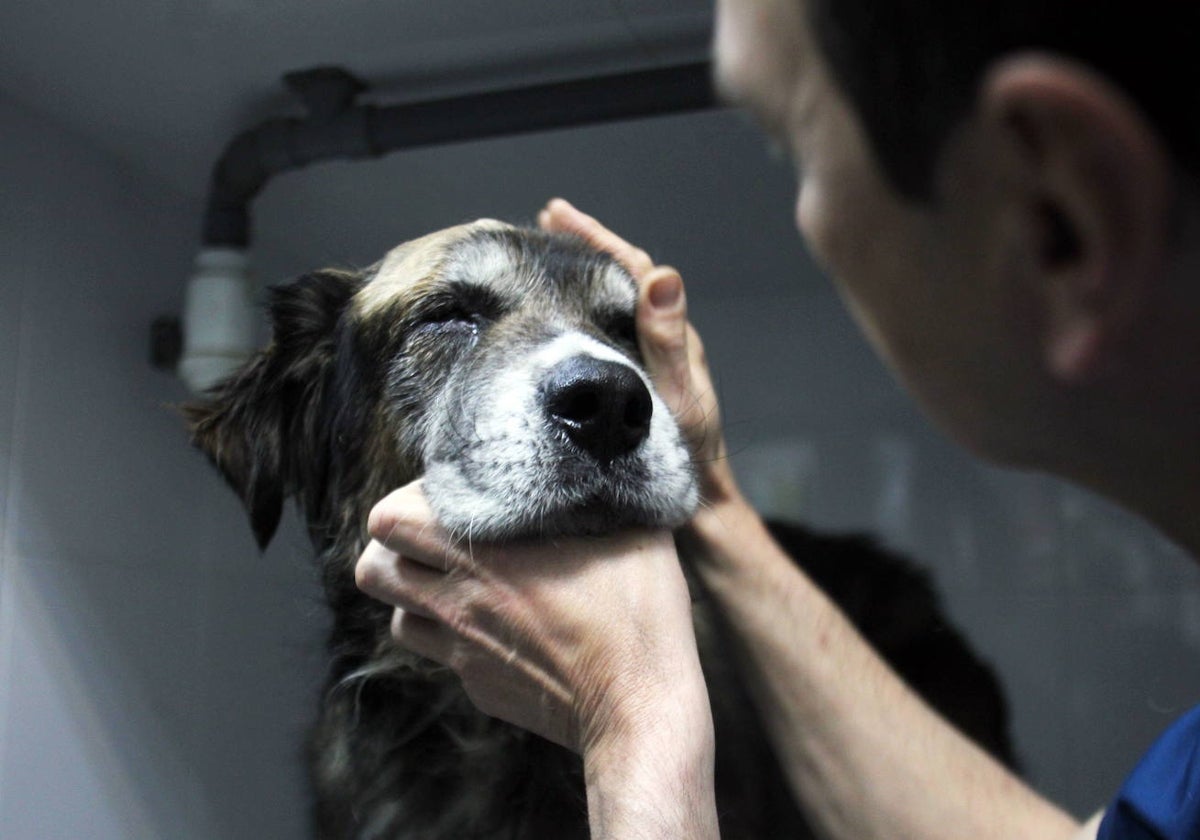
338, 128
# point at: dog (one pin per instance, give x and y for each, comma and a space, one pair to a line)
501, 364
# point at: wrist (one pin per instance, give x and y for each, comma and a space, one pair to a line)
655, 780
718, 536
660, 696
718, 486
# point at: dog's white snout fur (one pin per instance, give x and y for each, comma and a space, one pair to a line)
504, 479
570, 344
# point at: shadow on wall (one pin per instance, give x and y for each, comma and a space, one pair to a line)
84, 715
169, 698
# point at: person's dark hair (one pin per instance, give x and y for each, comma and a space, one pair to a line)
910, 68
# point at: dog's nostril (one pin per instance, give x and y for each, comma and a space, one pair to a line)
604, 407
578, 404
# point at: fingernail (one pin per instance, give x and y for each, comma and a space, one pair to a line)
543, 218
666, 292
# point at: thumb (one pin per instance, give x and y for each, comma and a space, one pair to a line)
675, 360
663, 333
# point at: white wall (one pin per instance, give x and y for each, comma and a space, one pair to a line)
149, 685
156, 673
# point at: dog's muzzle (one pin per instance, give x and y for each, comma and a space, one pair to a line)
564, 438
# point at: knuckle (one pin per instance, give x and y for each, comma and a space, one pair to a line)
676, 342
366, 574
640, 259
456, 619
381, 521
669, 344
400, 514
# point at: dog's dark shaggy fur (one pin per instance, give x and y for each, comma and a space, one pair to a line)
331, 415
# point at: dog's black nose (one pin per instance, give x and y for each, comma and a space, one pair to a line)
603, 406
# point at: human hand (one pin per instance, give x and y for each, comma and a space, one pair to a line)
671, 347
584, 642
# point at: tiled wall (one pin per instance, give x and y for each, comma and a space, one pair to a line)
156, 673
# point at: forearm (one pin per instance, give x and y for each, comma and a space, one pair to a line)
865, 755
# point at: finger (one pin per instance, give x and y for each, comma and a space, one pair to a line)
663, 329
399, 512
400, 582
560, 216
375, 572
404, 523
422, 636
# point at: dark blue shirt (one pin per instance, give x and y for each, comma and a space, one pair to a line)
1161, 798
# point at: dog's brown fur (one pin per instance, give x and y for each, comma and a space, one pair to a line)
324, 415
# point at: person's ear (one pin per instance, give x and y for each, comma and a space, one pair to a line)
1093, 194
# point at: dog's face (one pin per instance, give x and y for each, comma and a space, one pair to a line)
499, 362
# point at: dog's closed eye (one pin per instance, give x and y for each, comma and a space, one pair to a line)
463, 310
452, 319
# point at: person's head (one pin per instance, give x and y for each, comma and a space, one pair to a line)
1000, 190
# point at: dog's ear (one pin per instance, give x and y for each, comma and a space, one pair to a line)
253, 425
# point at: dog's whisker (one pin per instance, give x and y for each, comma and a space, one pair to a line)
470, 543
